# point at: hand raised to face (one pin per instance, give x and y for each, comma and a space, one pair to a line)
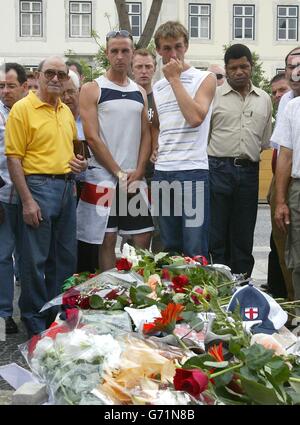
173, 69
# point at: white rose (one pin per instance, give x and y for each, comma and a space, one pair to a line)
43, 347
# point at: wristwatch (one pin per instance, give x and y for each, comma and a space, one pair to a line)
122, 176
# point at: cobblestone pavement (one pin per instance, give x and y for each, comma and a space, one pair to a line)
9, 352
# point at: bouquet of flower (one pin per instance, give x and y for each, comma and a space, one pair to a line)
71, 361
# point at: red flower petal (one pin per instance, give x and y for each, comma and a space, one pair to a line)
123, 264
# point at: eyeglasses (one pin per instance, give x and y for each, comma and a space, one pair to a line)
50, 74
121, 33
219, 76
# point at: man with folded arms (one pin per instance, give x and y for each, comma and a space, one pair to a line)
241, 126
39, 148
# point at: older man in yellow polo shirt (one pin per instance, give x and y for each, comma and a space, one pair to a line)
39, 147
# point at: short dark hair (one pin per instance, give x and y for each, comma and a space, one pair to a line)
144, 52
30, 74
291, 53
278, 77
19, 69
77, 66
237, 51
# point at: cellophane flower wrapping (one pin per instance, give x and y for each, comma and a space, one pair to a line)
71, 359
102, 284
84, 366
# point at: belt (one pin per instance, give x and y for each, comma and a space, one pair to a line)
68, 176
237, 162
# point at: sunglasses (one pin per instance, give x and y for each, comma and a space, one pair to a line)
50, 74
121, 33
219, 76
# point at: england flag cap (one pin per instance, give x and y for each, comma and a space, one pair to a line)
257, 305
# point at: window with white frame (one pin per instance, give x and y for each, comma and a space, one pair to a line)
80, 19
31, 18
287, 23
135, 18
243, 21
199, 20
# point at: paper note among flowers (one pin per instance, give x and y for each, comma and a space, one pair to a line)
140, 316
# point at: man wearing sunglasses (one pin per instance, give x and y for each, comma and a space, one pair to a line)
39, 148
219, 72
113, 110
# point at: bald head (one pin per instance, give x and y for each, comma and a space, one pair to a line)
50, 61
219, 72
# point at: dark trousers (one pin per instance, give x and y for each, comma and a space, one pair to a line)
233, 206
276, 281
87, 257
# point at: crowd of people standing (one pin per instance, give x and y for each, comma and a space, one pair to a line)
80, 163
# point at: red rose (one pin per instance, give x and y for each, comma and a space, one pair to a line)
179, 282
201, 259
123, 264
71, 297
72, 316
112, 295
193, 381
84, 303
165, 274
194, 297
91, 275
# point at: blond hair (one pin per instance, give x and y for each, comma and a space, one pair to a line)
171, 29
144, 52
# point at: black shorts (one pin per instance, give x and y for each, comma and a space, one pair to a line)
131, 223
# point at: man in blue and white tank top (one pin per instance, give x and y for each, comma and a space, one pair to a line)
113, 111
183, 103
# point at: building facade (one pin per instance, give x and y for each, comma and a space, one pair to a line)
33, 29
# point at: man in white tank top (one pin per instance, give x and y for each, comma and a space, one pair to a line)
183, 107
113, 110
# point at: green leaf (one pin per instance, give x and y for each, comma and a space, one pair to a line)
229, 398
216, 365
279, 370
223, 380
197, 361
96, 302
197, 324
188, 315
123, 300
159, 256
117, 306
294, 395
257, 356
247, 373
132, 294
259, 393
234, 346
